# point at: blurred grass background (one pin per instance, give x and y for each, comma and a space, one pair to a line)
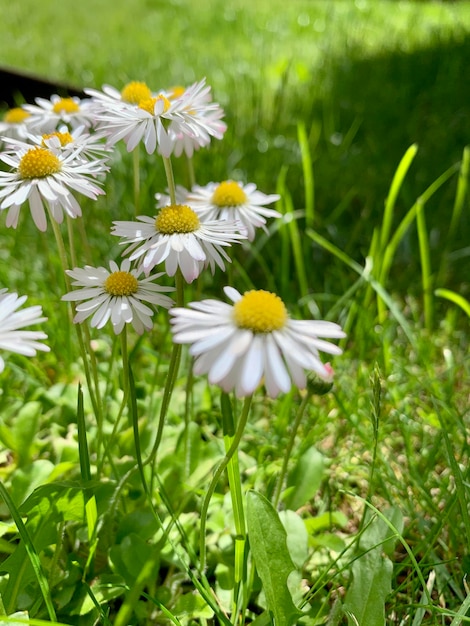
367, 78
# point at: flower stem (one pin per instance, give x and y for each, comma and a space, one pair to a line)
173, 368
92, 388
136, 162
290, 445
170, 179
232, 449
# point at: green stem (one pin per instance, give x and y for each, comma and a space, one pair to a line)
191, 174
136, 162
290, 445
215, 479
170, 179
93, 387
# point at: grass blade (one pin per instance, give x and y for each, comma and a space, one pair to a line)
31, 551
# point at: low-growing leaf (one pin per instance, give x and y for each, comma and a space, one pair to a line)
305, 478
268, 543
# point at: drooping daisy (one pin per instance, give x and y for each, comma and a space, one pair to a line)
177, 237
231, 200
15, 123
238, 345
47, 115
117, 295
41, 176
12, 338
202, 119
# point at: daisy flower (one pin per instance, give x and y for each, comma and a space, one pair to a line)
11, 321
177, 237
46, 115
202, 119
41, 176
117, 295
131, 94
232, 200
15, 123
238, 345
87, 147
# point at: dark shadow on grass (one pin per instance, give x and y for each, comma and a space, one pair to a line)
393, 100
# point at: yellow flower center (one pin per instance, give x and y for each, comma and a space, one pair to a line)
176, 218
66, 105
229, 193
135, 91
64, 138
39, 163
15, 116
148, 104
121, 284
176, 92
260, 311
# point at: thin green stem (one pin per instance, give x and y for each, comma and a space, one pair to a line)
215, 479
92, 384
290, 445
171, 376
191, 174
136, 163
170, 179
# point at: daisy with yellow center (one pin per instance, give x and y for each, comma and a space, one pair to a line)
201, 117
41, 176
47, 115
178, 238
117, 295
231, 200
12, 322
14, 123
86, 146
253, 340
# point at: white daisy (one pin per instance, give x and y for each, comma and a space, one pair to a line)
177, 237
86, 146
202, 119
117, 295
40, 176
237, 345
11, 338
231, 200
15, 123
131, 94
46, 115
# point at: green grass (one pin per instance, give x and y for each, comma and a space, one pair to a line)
323, 100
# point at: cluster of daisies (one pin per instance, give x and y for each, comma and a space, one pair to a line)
58, 149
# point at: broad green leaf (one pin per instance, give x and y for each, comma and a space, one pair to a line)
297, 536
268, 543
305, 479
372, 571
192, 605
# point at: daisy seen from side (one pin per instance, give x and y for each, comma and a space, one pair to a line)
118, 295
231, 200
14, 123
254, 340
40, 176
178, 238
13, 337
47, 115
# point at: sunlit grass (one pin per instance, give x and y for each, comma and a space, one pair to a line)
378, 473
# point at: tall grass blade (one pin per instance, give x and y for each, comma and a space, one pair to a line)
395, 187
456, 298
425, 258
31, 551
307, 169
